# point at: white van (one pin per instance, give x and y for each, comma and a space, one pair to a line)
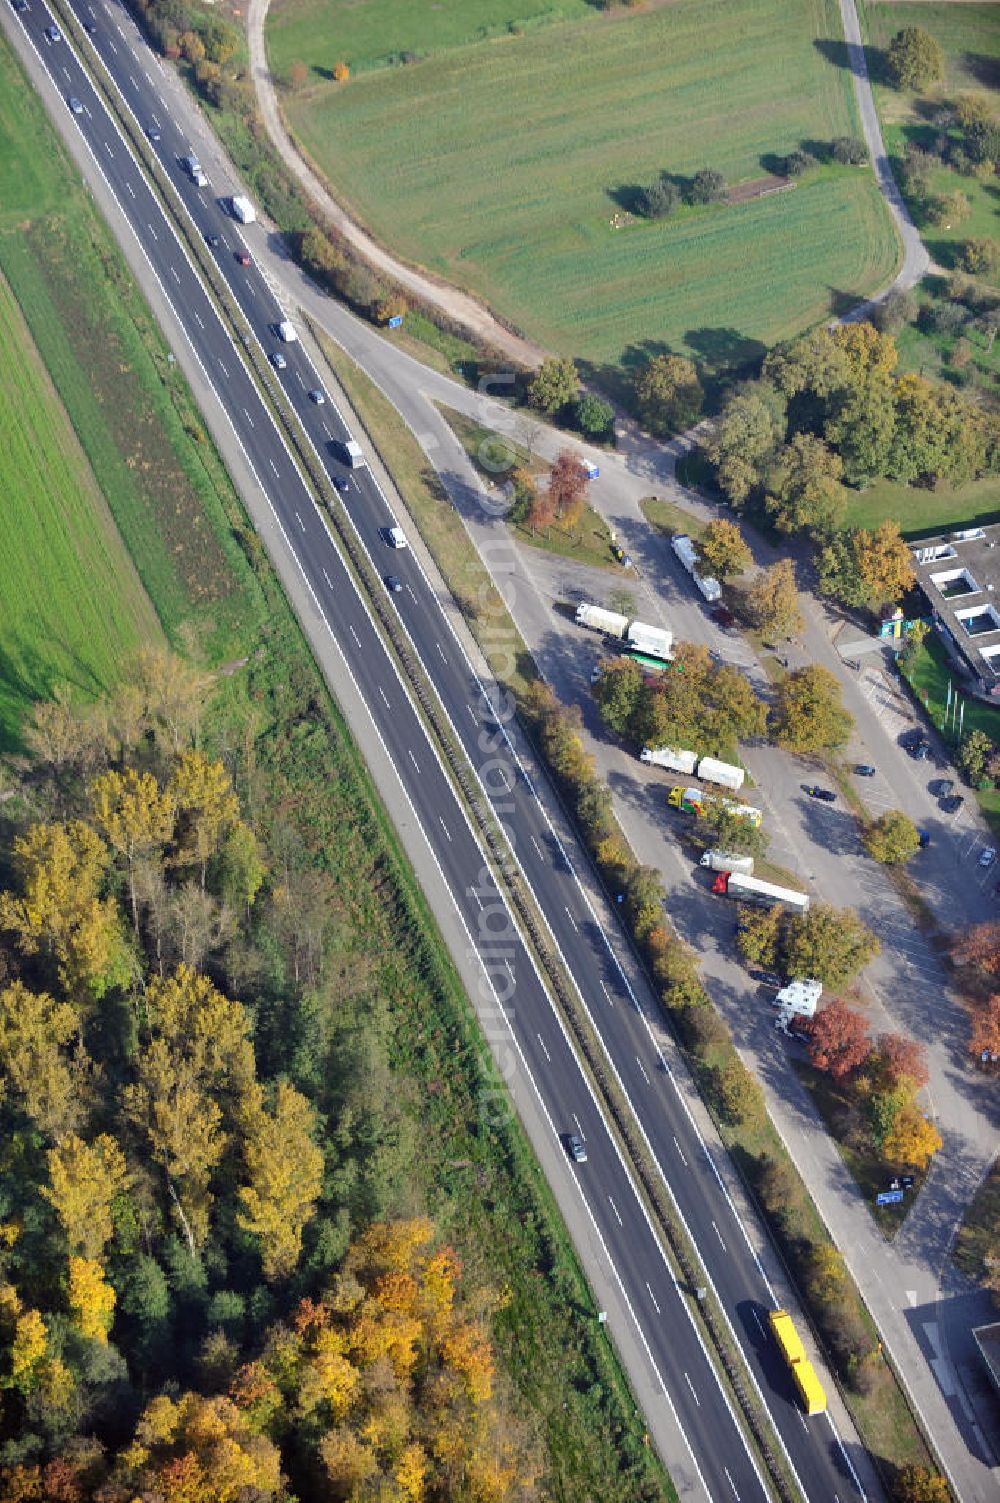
394, 536
286, 331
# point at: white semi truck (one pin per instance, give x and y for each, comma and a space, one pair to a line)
242, 209
636, 637
611, 623
687, 553
724, 773
761, 894
653, 641
673, 757
724, 861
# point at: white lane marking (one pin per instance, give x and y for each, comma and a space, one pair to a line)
198, 321
412, 758
66, 71
719, 1235
274, 467
248, 417
299, 379
226, 374
655, 1305
615, 1209
119, 31
477, 898
732, 1484
445, 828
328, 579
572, 920
583, 1138
681, 1152
114, 49
357, 639
694, 1395
300, 521
538, 849
148, 76
760, 1324
440, 652
173, 273
110, 151
131, 79
327, 431
541, 1041
130, 189
644, 1075
383, 697
475, 717
409, 591
607, 994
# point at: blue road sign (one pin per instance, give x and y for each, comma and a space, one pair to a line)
888, 1197
395, 321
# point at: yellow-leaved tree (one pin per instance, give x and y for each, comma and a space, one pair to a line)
285, 1169
84, 1179
36, 1070
198, 1450
91, 1298
135, 816
207, 807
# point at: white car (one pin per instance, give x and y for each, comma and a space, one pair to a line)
278, 360
987, 855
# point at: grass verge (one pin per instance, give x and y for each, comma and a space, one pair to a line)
976, 1245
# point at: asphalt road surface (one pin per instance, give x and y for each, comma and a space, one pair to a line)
722, 1466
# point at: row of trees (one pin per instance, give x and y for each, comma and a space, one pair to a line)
666, 192
194, 1300
708, 707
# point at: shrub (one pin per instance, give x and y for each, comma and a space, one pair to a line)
797, 162
594, 417
981, 256
849, 151
706, 187
915, 59
341, 72
660, 198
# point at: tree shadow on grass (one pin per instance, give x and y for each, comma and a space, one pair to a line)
629, 196
834, 50
984, 69
723, 356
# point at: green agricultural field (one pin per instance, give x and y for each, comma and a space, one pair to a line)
501, 166
70, 600
140, 445
368, 35
970, 39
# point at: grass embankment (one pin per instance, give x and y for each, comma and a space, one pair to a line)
967, 34
72, 601
495, 455
424, 154
133, 414
977, 1237
481, 1182
883, 1417
667, 517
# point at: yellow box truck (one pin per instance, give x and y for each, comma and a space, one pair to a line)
809, 1387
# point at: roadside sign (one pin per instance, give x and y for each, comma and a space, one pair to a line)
395, 321
888, 1197
591, 469
907, 1181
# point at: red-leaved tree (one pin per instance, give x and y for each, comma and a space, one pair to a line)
838, 1040
984, 1035
900, 1061
568, 486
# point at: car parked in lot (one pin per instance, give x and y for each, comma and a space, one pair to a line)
575, 1147
921, 751
942, 787
952, 803
864, 770
825, 795
987, 855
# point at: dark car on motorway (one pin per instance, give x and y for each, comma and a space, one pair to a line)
212, 240
575, 1147
243, 257
53, 33
825, 795
393, 583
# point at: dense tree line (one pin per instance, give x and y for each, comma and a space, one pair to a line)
200, 1294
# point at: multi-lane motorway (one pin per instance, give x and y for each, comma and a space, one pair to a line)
722, 1465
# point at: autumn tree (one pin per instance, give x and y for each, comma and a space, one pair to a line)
919, 1484
341, 72
554, 384
193, 1449
36, 1068
759, 936
892, 838
830, 944
772, 600
726, 830
134, 816
898, 1061
541, 510
64, 740
973, 753
568, 487
838, 1039
285, 1169
722, 549
809, 715
739, 1094
912, 1139
207, 807
91, 1298
668, 394
84, 1179
915, 59
984, 1033
744, 439
173, 693
804, 489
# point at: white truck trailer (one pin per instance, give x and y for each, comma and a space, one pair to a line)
598, 619
724, 773
761, 894
685, 550
242, 209
796, 1002
673, 757
653, 641
724, 861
